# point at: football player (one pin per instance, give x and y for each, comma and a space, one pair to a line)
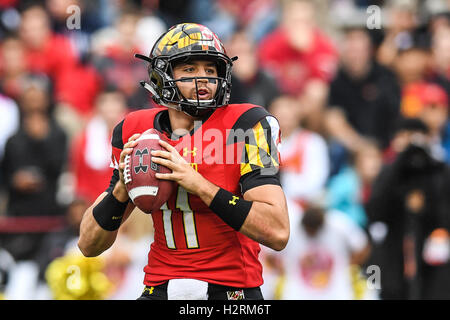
207, 234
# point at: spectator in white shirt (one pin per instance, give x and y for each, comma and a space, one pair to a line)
321, 249
304, 154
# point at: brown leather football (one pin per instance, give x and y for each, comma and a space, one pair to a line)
146, 191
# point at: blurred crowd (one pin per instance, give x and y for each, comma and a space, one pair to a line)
363, 109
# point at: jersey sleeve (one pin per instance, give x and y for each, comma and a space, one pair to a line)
114, 178
117, 145
261, 158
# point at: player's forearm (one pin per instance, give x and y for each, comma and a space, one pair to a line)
207, 191
265, 224
93, 239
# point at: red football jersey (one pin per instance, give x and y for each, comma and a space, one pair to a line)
191, 241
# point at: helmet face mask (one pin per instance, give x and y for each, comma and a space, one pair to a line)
181, 44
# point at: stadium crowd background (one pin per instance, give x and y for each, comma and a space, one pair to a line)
360, 88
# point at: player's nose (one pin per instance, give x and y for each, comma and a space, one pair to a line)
202, 72
201, 82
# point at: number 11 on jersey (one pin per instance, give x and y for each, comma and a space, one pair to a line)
190, 231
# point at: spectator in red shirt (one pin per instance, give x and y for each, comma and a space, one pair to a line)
301, 57
46, 52
54, 55
88, 158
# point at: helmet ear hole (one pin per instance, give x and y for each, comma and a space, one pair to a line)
156, 78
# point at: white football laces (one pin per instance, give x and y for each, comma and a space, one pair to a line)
127, 170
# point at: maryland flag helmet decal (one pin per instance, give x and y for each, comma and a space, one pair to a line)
185, 35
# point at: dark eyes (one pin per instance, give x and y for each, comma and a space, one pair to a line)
192, 69
188, 69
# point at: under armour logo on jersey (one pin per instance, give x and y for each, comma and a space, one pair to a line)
186, 151
233, 201
141, 166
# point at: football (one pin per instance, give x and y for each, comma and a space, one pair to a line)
146, 191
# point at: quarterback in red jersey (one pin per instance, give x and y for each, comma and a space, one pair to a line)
224, 159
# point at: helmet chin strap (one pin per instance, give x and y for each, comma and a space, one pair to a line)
157, 98
201, 102
151, 90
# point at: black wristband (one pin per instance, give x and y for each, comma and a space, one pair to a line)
109, 212
231, 209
